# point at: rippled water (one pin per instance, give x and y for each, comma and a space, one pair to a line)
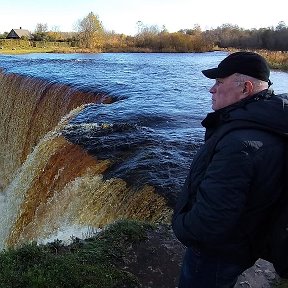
155, 122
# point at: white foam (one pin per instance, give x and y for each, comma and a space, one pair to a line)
69, 233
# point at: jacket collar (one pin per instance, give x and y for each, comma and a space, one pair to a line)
214, 119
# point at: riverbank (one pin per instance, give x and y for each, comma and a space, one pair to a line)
277, 59
44, 49
127, 254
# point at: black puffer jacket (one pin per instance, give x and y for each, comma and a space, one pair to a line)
234, 181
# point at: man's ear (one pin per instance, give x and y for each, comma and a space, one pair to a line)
248, 87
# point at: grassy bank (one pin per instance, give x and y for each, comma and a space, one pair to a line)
44, 49
126, 254
282, 284
93, 262
276, 59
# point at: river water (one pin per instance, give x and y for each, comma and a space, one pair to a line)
153, 127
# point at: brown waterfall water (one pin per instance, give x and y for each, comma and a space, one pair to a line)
48, 183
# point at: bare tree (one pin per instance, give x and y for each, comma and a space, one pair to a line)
41, 28
41, 32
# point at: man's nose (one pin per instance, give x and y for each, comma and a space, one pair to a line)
212, 89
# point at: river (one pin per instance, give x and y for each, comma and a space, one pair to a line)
145, 135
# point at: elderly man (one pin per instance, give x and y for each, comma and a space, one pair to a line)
236, 176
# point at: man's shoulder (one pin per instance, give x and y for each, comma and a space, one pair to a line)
240, 137
282, 95
249, 135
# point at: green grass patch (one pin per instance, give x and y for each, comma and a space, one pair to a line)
281, 284
83, 263
44, 49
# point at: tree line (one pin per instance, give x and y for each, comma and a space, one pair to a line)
90, 34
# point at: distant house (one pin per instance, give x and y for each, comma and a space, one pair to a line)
18, 33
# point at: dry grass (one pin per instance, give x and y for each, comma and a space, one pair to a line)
276, 59
20, 50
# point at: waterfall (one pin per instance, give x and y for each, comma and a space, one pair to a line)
48, 183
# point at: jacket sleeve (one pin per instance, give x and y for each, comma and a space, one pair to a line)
221, 195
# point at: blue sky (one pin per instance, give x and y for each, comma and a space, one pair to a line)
122, 15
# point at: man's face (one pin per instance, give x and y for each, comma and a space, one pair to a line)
226, 91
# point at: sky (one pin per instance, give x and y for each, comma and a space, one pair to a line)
122, 16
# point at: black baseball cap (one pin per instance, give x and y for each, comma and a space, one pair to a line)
247, 63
